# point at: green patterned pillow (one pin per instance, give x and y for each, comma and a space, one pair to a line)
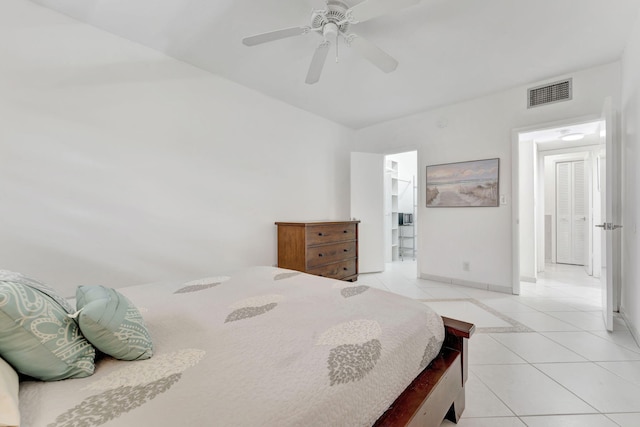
37, 336
112, 323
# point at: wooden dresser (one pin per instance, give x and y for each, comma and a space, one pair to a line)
323, 248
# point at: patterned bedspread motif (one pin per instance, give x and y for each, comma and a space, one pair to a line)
265, 346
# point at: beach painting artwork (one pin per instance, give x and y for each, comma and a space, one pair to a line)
463, 184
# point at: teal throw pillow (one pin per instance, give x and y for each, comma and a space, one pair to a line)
111, 322
37, 337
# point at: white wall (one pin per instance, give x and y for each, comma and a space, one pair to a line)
119, 165
630, 294
480, 129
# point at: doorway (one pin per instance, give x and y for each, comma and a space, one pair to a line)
384, 191
401, 206
529, 200
559, 197
532, 151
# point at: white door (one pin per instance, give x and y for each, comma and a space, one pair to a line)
609, 225
571, 212
367, 205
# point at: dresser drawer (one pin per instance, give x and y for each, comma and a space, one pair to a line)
325, 254
339, 270
319, 234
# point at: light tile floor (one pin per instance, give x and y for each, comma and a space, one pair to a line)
542, 358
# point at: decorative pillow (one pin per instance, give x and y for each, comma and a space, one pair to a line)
9, 413
112, 323
37, 337
11, 276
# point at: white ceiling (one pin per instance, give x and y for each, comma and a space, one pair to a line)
448, 50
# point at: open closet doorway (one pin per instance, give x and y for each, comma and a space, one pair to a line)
401, 206
384, 186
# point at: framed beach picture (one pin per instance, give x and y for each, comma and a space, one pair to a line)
463, 184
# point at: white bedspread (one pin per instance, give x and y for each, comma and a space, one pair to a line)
265, 347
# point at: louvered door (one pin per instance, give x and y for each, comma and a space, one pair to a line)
578, 214
571, 212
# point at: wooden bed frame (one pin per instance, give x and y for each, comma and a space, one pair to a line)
438, 392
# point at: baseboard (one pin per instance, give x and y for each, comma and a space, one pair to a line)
470, 284
528, 279
503, 289
436, 278
467, 283
632, 328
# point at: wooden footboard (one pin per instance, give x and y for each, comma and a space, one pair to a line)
438, 392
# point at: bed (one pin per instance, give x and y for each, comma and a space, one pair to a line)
269, 346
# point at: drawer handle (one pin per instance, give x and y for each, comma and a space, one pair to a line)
345, 231
345, 268
320, 254
345, 250
320, 234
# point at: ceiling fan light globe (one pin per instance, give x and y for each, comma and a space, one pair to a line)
330, 31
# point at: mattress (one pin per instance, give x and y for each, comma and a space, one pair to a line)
261, 347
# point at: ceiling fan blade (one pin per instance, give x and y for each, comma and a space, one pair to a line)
370, 9
373, 53
274, 35
317, 63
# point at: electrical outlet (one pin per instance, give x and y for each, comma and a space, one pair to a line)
466, 266
503, 199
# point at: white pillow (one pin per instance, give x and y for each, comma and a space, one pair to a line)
9, 413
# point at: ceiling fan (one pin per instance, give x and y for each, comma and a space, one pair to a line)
334, 22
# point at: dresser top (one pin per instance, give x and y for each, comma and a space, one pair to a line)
303, 223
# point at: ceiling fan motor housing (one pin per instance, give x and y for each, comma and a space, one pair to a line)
334, 14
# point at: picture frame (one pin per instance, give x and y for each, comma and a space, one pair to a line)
474, 183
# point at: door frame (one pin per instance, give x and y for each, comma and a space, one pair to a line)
515, 186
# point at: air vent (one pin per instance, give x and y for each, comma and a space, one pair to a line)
548, 94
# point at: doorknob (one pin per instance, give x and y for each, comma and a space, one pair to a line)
607, 226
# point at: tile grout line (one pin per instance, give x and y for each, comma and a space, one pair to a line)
590, 362
492, 392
